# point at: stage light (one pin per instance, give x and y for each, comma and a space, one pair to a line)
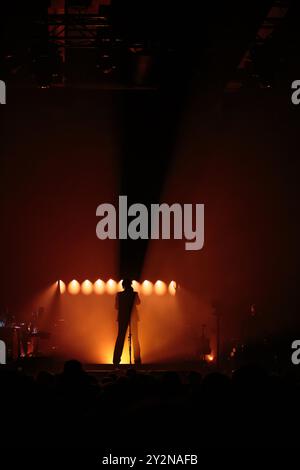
136, 286
87, 287
160, 288
74, 287
111, 287
172, 288
147, 288
99, 287
210, 357
61, 286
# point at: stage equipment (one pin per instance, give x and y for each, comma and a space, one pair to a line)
204, 348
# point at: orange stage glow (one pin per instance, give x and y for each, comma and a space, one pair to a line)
61, 286
111, 287
136, 286
172, 288
92, 328
147, 288
74, 287
160, 288
119, 286
210, 357
87, 287
99, 287
106, 356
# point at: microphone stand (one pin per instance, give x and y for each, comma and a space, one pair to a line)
129, 341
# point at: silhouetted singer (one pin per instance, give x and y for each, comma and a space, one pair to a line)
126, 302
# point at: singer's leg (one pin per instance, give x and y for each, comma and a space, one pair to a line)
119, 343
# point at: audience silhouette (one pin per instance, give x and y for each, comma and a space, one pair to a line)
169, 409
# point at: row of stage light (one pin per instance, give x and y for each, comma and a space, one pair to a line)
111, 287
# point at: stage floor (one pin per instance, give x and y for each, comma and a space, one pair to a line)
33, 365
